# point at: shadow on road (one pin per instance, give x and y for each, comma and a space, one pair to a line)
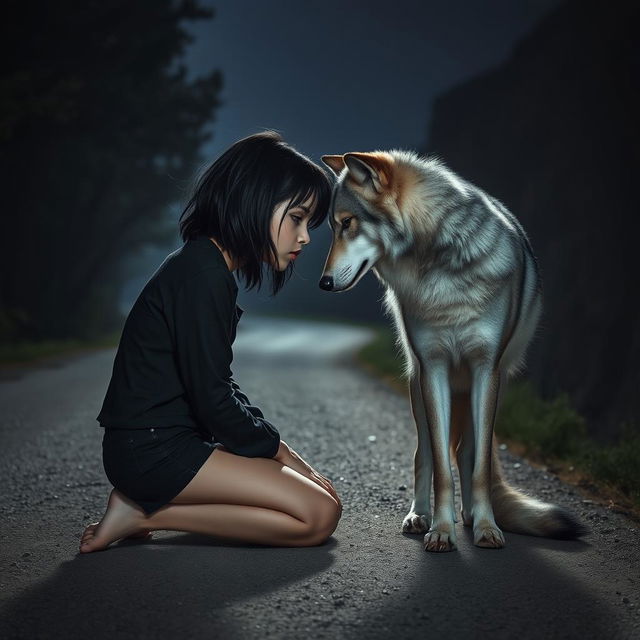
190, 586
510, 593
177, 586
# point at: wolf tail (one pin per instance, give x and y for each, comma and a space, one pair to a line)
516, 512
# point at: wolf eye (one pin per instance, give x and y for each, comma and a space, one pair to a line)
346, 222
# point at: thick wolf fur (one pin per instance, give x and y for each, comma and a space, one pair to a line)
463, 287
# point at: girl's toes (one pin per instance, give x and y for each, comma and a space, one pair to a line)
89, 532
88, 546
92, 544
85, 543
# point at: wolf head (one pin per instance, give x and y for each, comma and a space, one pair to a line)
366, 214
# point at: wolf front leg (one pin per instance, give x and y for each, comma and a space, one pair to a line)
436, 393
418, 519
486, 381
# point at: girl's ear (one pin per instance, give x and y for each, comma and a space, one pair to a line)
335, 163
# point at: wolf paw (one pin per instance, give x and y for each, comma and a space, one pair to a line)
439, 541
416, 523
489, 537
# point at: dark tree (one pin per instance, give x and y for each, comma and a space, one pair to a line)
99, 129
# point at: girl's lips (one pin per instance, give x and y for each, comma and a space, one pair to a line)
294, 254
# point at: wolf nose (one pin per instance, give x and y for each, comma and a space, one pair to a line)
326, 283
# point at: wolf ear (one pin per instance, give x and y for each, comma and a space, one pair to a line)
335, 163
368, 168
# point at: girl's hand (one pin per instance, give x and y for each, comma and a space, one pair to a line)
288, 457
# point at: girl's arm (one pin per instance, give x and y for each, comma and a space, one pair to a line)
203, 314
242, 396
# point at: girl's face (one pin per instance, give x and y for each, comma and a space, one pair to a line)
290, 237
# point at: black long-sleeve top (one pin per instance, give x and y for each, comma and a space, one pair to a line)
173, 364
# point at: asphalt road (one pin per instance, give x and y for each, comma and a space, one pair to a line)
368, 581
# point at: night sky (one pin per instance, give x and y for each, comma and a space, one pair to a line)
333, 77
343, 76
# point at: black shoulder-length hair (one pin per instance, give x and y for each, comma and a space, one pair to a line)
234, 198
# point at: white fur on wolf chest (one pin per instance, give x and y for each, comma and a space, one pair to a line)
438, 297
465, 332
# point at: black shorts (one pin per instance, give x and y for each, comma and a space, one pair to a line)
153, 465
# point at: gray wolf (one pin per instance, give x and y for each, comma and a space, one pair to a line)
464, 290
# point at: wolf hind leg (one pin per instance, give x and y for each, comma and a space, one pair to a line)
462, 445
485, 389
418, 520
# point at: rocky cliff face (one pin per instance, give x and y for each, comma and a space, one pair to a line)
554, 134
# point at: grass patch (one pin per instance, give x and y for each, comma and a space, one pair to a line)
549, 428
617, 465
549, 431
23, 352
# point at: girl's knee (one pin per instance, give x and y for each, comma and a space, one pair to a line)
323, 521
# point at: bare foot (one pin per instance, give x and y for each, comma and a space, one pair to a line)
144, 533
122, 519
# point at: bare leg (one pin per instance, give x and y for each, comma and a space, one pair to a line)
256, 500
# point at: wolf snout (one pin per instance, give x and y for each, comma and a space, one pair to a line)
326, 283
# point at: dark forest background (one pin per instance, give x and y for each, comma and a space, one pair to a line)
101, 131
